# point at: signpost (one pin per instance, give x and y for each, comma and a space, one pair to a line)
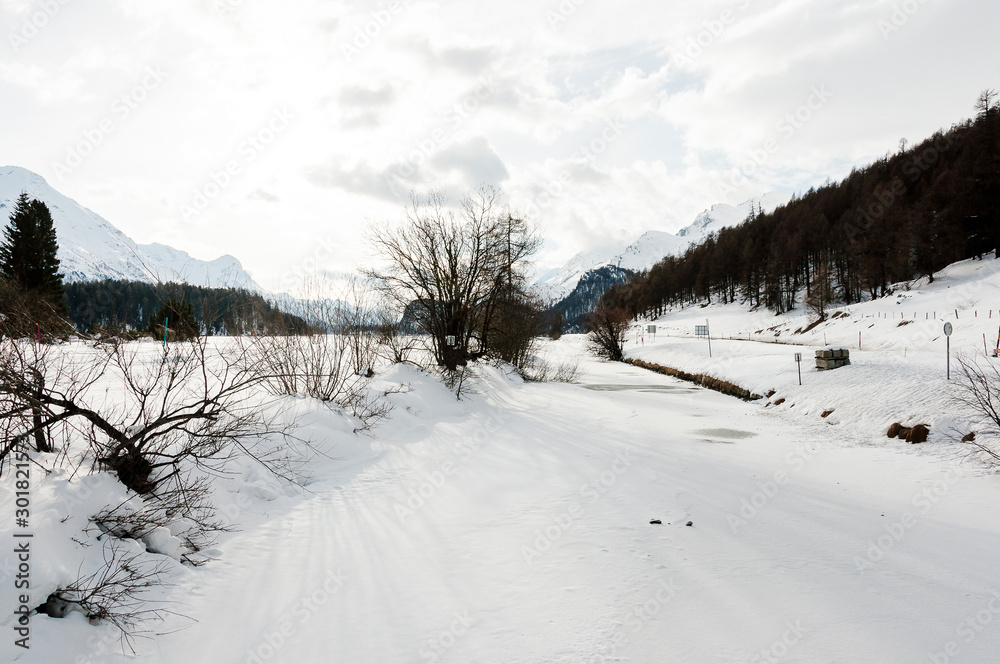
652, 330
798, 360
948, 329
703, 331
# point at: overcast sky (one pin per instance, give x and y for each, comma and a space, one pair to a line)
274, 131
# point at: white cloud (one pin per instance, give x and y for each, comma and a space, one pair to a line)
393, 95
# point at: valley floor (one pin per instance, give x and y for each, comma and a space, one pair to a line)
514, 526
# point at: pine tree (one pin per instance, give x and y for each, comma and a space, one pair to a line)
556, 326
28, 253
179, 318
18, 237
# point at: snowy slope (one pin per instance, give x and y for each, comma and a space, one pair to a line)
723, 216
514, 526
90, 248
223, 271
653, 245
899, 373
557, 285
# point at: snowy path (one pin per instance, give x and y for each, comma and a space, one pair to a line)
533, 543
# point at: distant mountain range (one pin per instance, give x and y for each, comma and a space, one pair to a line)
92, 249
651, 247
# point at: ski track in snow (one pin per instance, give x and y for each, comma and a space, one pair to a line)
450, 582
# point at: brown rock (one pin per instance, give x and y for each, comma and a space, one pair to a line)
918, 434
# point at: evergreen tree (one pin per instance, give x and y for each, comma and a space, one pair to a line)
179, 319
28, 254
556, 326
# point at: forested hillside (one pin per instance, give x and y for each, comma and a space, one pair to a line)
907, 215
588, 291
129, 304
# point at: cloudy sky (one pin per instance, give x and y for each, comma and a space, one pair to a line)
274, 132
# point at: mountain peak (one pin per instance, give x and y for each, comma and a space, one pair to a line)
91, 248
653, 245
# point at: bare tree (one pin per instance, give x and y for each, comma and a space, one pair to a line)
608, 331
986, 103
448, 269
820, 291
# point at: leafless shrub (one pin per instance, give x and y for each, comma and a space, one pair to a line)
567, 372
543, 370
188, 405
314, 365
27, 315
184, 500
394, 344
357, 321
28, 373
978, 393
117, 593
457, 381
608, 329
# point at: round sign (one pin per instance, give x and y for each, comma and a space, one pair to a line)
947, 329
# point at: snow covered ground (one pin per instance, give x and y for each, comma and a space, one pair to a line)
899, 375
514, 526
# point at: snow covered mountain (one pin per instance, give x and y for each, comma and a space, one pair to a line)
91, 249
653, 245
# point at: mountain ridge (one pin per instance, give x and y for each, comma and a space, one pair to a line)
92, 249
652, 246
